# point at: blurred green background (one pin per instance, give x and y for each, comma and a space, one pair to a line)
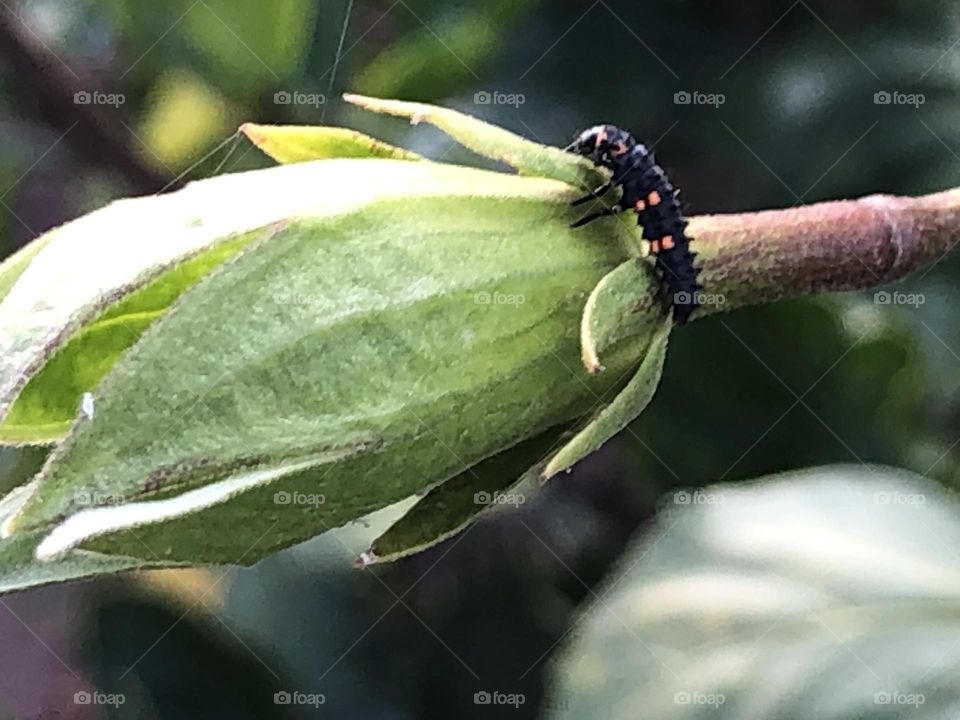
801, 383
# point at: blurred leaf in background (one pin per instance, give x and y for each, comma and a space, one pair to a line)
829, 594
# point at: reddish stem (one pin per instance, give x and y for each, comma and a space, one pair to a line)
757, 257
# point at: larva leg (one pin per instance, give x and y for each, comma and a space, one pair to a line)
598, 192
596, 215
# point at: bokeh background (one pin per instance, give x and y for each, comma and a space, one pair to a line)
749, 105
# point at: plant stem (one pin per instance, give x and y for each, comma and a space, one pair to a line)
751, 258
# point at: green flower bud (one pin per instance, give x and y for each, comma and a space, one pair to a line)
265, 356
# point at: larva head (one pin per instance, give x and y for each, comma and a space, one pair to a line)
600, 143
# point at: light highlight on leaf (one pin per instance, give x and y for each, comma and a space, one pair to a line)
89, 524
13, 267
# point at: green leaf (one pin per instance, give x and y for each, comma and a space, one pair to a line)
451, 507
625, 408
360, 357
528, 157
300, 143
831, 593
47, 405
624, 304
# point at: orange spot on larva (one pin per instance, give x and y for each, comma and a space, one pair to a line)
653, 198
667, 242
640, 206
654, 246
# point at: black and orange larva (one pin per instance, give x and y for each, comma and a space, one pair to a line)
647, 191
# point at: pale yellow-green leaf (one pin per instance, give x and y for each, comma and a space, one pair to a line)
300, 143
